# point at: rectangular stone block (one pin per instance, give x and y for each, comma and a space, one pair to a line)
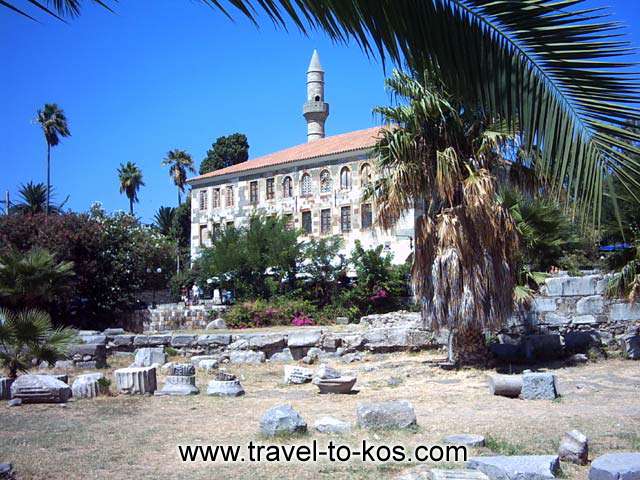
304, 339
572, 286
591, 305
214, 340
539, 386
159, 340
123, 340
544, 304
179, 341
141, 341
625, 312
585, 320
136, 380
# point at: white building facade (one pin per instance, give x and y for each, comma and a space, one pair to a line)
317, 187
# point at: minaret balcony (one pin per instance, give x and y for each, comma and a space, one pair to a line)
315, 107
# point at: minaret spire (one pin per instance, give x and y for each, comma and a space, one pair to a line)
315, 109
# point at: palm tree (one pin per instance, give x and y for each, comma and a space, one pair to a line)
54, 125
31, 280
33, 199
164, 219
130, 182
28, 335
440, 157
179, 162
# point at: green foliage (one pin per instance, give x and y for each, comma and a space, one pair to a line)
31, 280
324, 268
163, 220
626, 282
243, 258
179, 163
29, 335
226, 151
33, 200
53, 122
546, 233
110, 253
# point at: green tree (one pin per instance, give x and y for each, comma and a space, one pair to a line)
33, 200
324, 268
179, 163
441, 155
226, 151
54, 125
28, 335
32, 279
163, 219
130, 177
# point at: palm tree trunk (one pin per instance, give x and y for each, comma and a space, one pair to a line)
131, 207
469, 346
48, 177
179, 198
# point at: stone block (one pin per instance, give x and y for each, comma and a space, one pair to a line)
308, 338
149, 356
216, 324
342, 321
269, 342
544, 304
468, 440
141, 341
624, 312
555, 319
616, 466
87, 385
631, 346
331, 425
539, 386
40, 389
180, 341
585, 320
225, 385
297, 375
591, 305
94, 339
283, 356
5, 388
158, 340
246, 356
136, 380
112, 332
518, 467
282, 420
581, 341
179, 385
123, 340
574, 448
383, 415
215, 340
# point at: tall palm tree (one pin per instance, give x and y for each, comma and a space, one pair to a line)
179, 163
164, 219
33, 199
54, 125
441, 157
130, 182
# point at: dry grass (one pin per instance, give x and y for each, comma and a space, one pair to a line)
137, 437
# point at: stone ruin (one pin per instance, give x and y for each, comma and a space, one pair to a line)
181, 381
40, 389
225, 385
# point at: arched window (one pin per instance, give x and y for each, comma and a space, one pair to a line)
365, 174
287, 187
345, 178
325, 181
305, 185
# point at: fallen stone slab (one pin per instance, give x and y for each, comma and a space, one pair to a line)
215, 340
518, 467
136, 380
297, 375
465, 439
574, 448
381, 415
539, 386
331, 425
616, 466
216, 324
340, 385
197, 359
269, 342
282, 420
40, 389
180, 341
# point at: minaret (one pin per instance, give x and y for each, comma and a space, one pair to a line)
315, 110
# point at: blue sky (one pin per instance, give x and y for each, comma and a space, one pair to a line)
169, 74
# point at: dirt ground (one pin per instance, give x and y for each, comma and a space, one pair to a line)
136, 437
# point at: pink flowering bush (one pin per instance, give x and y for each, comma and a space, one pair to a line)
302, 320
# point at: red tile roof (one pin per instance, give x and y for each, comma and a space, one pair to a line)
346, 142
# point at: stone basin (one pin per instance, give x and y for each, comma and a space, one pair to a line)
335, 385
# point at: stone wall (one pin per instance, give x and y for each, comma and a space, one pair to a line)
177, 316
